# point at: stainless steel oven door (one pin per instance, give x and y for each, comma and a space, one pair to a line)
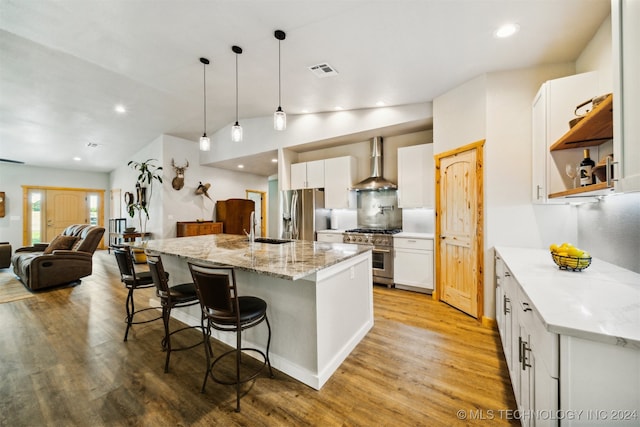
382, 261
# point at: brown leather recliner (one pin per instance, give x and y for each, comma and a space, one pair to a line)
44, 265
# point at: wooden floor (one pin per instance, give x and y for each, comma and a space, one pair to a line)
63, 362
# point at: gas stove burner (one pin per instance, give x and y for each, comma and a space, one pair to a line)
374, 230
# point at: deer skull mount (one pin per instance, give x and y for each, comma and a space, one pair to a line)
178, 181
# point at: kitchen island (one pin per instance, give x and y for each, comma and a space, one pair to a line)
319, 296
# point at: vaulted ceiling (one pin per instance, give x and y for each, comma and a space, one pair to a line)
65, 65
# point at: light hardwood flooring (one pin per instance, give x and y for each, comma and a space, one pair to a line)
63, 363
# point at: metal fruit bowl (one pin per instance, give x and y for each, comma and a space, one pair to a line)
571, 262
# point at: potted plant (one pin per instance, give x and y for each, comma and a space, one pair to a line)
148, 171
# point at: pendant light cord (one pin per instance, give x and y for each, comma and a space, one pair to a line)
279, 78
236, 88
204, 98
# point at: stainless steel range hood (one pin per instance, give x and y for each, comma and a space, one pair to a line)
376, 181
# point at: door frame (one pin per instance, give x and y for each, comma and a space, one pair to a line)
25, 207
263, 209
479, 243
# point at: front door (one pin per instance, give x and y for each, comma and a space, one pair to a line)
459, 228
49, 210
63, 208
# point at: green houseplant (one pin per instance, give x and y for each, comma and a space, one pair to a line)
148, 171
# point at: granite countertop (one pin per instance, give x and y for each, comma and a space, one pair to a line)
292, 260
601, 302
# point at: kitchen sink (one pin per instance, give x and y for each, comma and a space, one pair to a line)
270, 241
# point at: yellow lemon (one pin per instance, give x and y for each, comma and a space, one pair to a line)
553, 248
573, 251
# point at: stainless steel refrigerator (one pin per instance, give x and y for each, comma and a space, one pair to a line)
303, 213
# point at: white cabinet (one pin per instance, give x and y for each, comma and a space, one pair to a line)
625, 20
339, 176
329, 236
413, 264
564, 372
553, 107
307, 175
416, 184
530, 351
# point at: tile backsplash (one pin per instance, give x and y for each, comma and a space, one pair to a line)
610, 230
418, 220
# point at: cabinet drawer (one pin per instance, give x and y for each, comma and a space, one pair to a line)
543, 343
329, 237
413, 243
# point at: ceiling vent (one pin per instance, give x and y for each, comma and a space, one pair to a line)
323, 70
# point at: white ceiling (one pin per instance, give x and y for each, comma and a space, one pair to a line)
65, 64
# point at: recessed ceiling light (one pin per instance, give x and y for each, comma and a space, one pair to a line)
338, 108
274, 160
240, 166
77, 159
120, 109
305, 111
380, 104
507, 30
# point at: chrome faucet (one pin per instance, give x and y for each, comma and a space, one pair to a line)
252, 227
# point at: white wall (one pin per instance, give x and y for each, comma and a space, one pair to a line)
124, 179
13, 176
497, 107
259, 136
167, 205
459, 116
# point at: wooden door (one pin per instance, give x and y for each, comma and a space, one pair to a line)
459, 200
63, 208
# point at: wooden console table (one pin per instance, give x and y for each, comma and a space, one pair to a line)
197, 228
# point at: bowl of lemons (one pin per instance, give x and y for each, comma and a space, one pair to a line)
568, 257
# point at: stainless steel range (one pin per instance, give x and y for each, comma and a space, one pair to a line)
382, 241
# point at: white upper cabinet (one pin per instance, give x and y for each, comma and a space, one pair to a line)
557, 149
626, 112
339, 176
416, 183
307, 175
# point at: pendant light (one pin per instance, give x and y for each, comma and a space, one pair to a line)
236, 130
279, 117
205, 142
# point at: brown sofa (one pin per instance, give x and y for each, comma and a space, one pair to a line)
66, 259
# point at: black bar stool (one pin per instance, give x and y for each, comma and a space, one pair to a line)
224, 310
132, 280
183, 295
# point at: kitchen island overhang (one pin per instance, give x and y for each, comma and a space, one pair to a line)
319, 296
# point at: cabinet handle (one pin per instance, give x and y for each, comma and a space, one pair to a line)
525, 307
608, 174
507, 274
520, 350
538, 188
525, 349
506, 301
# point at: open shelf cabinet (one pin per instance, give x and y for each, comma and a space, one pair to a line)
595, 129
